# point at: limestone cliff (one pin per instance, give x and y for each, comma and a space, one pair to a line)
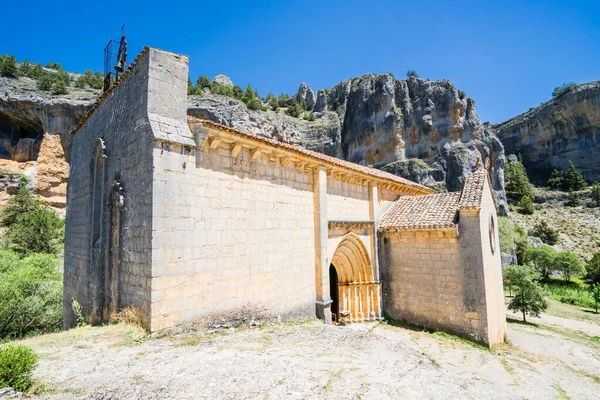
35, 125
381, 121
566, 128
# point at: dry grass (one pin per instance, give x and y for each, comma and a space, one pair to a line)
129, 315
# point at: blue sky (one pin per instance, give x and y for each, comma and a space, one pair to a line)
507, 55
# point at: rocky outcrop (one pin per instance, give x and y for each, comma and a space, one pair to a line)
322, 135
384, 122
305, 94
566, 128
222, 80
36, 126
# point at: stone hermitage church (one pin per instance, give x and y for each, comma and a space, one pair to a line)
183, 218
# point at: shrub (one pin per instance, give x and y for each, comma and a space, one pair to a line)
309, 116
222, 90
595, 289
529, 295
8, 66
59, 88
544, 232
564, 88
567, 264
25, 68
542, 259
516, 181
16, 366
596, 195
412, 73
526, 205
572, 292
592, 269
573, 200
96, 80
254, 104
283, 99
30, 295
513, 238
295, 109
461, 95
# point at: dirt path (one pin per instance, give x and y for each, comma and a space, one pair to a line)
310, 360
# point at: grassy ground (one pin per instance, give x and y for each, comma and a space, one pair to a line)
575, 292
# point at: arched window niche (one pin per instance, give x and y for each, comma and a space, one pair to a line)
98, 176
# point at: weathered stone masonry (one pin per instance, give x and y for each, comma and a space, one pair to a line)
183, 218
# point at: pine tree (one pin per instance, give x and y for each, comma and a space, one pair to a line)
573, 200
596, 195
8, 66
517, 181
573, 179
526, 205
556, 179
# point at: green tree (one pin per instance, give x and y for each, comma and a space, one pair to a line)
596, 195
254, 104
412, 73
529, 295
568, 265
45, 82
516, 181
573, 200
544, 232
592, 269
461, 95
573, 179
295, 109
32, 226
8, 66
204, 82
542, 259
54, 65
222, 90
507, 276
564, 88
526, 205
283, 99
556, 180
595, 289
25, 68
237, 92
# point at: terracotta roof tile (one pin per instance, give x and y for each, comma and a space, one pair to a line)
193, 121
473, 190
422, 212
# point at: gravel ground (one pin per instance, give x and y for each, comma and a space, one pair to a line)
311, 361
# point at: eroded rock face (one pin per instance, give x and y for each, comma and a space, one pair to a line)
222, 80
566, 128
52, 171
384, 122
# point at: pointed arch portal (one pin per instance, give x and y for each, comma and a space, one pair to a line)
357, 293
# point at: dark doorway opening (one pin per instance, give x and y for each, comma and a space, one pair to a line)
333, 292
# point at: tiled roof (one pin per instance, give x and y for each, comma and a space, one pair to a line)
193, 121
473, 190
422, 212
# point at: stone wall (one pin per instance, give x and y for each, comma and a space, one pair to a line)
347, 201
447, 279
122, 122
230, 231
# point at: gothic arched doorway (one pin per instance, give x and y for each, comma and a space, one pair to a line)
357, 293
